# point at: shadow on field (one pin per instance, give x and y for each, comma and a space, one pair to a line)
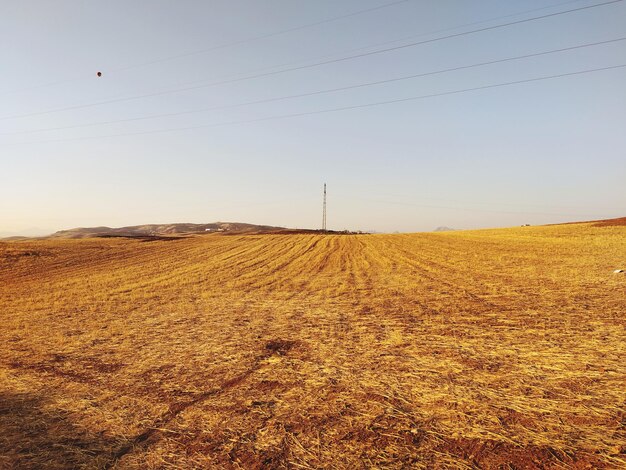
34, 435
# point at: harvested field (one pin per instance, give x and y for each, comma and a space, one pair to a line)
479, 349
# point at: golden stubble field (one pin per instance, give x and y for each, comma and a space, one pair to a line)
484, 349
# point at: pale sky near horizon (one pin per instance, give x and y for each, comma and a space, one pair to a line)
545, 151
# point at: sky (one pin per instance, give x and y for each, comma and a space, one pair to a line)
221, 136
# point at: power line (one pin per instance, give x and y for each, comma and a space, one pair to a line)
46, 85
289, 64
226, 45
343, 108
262, 36
83, 77
329, 90
302, 67
465, 25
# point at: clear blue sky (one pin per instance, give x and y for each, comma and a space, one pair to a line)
539, 152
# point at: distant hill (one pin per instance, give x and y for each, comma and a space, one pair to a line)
444, 229
156, 230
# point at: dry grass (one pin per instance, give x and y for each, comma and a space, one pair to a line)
486, 349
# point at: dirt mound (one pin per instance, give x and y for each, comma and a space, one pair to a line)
610, 222
619, 221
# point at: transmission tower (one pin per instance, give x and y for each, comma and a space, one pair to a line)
324, 211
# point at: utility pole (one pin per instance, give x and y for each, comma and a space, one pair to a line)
324, 211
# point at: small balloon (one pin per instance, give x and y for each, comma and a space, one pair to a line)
99, 74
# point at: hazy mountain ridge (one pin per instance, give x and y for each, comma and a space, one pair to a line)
149, 230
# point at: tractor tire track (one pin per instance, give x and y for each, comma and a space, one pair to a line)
154, 433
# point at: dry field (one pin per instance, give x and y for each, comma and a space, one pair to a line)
484, 349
